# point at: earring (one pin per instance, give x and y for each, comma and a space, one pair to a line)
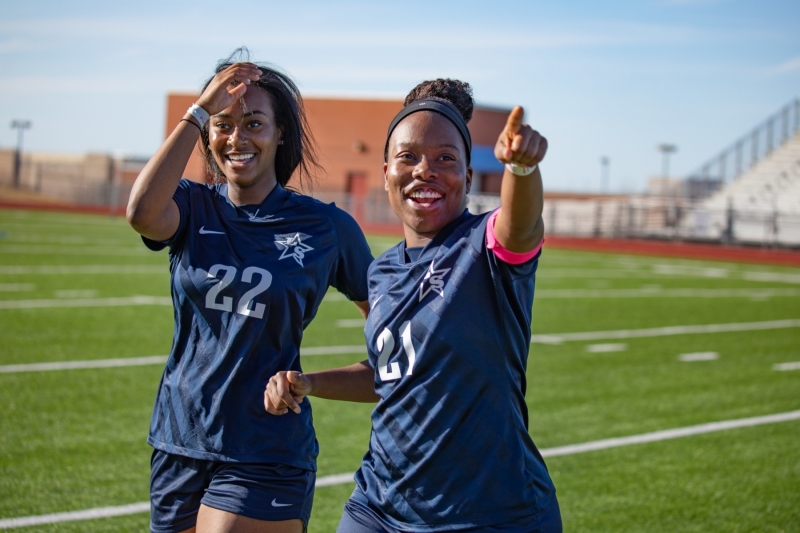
280, 142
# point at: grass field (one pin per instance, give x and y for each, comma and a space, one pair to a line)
74, 439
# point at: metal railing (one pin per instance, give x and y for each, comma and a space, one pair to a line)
754, 146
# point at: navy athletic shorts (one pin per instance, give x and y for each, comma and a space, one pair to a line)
359, 519
264, 491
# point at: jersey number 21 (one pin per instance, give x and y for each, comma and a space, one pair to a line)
391, 372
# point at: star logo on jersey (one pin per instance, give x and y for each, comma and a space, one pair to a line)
433, 281
292, 245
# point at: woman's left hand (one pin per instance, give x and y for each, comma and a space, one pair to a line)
519, 143
286, 390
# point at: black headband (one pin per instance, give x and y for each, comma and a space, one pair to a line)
445, 108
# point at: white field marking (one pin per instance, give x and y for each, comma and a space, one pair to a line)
86, 302
603, 348
669, 434
655, 292
72, 365
783, 367
557, 338
335, 296
333, 350
336, 479
88, 293
351, 323
88, 514
84, 269
771, 277
339, 479
65, 240
71, 250
152, 360
699, 356
16, 287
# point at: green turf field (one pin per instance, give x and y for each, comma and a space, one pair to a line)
74, 439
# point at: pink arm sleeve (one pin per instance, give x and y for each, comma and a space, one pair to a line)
507, 256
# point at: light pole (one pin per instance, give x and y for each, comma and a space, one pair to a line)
20, 126
666, 149
604, 162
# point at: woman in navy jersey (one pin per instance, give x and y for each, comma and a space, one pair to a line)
250, 263
448, 335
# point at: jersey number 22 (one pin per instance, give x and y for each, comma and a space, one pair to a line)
243, 307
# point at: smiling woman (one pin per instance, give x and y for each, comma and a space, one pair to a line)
448, 336
250, 262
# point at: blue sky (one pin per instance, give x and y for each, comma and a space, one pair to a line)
611, 78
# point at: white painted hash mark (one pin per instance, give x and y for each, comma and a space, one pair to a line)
699, 356
783, 367
604, 348
333, 350
337, 479
557, 338
351, 323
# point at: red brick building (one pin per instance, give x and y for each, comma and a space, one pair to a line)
350, 134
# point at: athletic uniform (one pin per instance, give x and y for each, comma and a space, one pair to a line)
448, 334
246, 281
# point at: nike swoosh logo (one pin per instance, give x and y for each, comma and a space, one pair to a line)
276, 504
204, 231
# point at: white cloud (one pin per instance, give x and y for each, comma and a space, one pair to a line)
791, 65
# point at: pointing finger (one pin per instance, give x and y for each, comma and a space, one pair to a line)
514, 122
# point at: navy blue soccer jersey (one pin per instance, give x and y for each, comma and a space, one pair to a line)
246, 281
448, 335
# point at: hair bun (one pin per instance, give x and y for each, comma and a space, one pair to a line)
457, 92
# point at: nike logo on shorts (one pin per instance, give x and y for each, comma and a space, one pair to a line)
204, 231
276, 504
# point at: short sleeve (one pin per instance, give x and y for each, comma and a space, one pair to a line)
353, 258
181, 197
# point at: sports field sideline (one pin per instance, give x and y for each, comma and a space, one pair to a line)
664, 392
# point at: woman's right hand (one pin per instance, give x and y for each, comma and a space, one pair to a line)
286, 390
228, 86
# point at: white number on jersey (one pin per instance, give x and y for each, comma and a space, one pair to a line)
385, 344
243, 308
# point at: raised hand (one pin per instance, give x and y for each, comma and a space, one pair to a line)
286, 390
519, 143
228, 86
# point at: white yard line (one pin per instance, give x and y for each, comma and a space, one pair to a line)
35, 249
784, 367
558, 338
154, 360
16, 287
88, 514
665, 293
86, 302
72, 365
669, 434
84, 269
338, 479
362, 349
